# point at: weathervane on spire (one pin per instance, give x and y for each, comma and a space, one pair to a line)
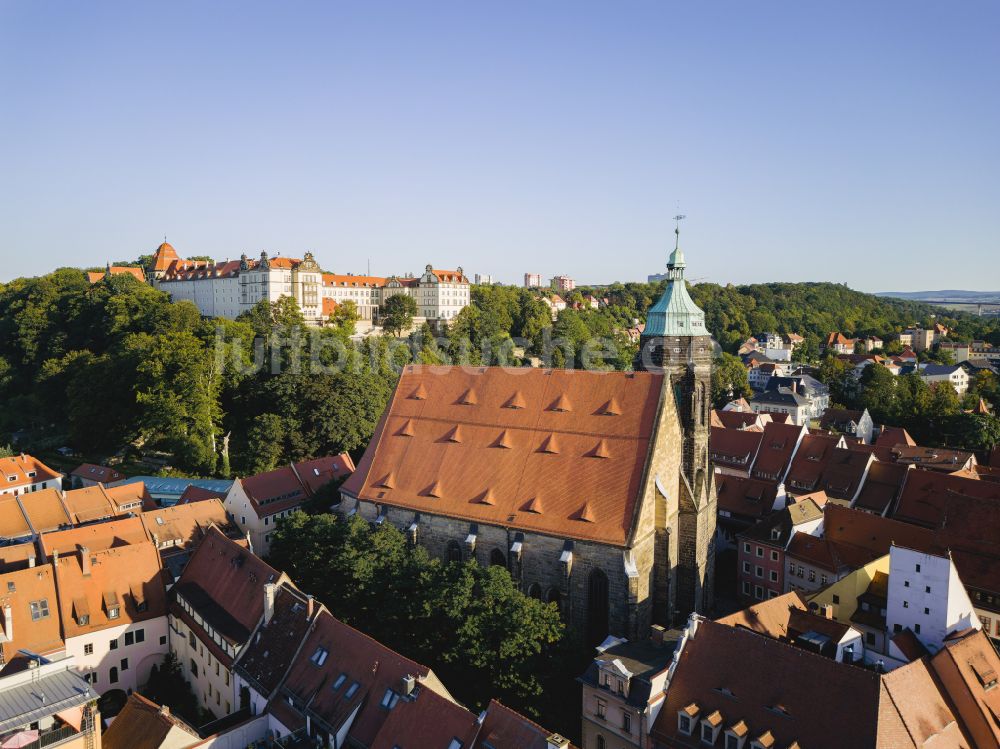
677, 230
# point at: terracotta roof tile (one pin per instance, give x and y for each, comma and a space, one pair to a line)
96, 536
182, 527
426, 720
519, 472
743, 497
276, 643
363, 661
776, 449
45, 510
16, 470
767, 617
734, 448
38, 634
101, 474
225, 583
129, 577
142, 724
778, 690
16, 556
13, 521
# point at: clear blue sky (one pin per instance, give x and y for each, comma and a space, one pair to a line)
856, 142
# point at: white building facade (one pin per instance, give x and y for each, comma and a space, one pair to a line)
927, 597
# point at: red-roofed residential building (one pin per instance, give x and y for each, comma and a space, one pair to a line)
112, 604
218, 602
89, 474
733, 451
24, 473
257, 502
777, 448
735, 687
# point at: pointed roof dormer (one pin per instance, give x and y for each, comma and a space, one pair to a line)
675, 313
504, 440
488, 497
406, 430
549, 445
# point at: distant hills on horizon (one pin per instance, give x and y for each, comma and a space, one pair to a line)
946, 295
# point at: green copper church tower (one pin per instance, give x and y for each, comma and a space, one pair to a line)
676, 342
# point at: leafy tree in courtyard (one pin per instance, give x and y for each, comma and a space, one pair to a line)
470, 623
397, 313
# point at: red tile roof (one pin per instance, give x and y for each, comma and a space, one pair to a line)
16, 556
776, 449
15, 470
734, 448
364, 662
225, 583
768, 617
540, 451
737, 419
504, 728
45, 510
882, 487
182, 527
117, 270
287, 487
875, 534
41, 635
892, 436
968, 667
95, 536
926, 494
425, 720
197, 494
100, 474
745, 497
143, 724
771, 687
350, 281
13, 523
122, 577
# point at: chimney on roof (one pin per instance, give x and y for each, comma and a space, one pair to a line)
269, 591
409, 684
555, 741
31, 559
8, 622
85, 560
656, 635
164, 710
310, 606
55, 557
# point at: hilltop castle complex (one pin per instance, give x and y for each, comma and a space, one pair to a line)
228, 288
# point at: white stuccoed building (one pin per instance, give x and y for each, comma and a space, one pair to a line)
927, 597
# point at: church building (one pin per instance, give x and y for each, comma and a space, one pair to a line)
592, 488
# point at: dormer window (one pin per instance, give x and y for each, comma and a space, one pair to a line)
112, 605
736, 735
710, 727
686, 718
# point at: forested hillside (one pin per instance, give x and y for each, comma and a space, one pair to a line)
115, 367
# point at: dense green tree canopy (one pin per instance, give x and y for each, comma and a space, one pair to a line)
470, 623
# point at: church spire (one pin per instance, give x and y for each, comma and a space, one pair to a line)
675, 313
